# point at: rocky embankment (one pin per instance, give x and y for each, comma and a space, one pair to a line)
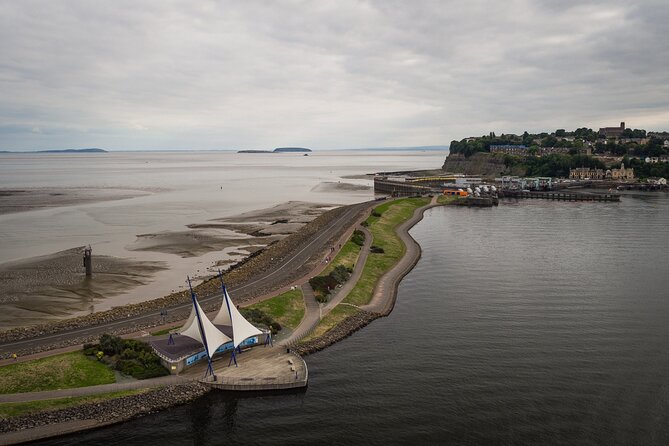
340, 331
484, 164
110, 411
245, 271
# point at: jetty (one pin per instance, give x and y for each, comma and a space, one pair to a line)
562, 195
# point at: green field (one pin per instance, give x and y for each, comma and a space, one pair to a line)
287, 308
64, 371
15, 409
393, 213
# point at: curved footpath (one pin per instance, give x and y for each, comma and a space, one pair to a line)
314, 313
385, 290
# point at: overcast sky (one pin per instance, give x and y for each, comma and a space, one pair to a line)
324, 74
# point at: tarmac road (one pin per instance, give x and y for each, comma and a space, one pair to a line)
273, 278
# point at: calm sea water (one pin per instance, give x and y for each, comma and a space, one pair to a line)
531, 323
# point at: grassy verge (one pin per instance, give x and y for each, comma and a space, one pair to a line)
287, 308
347, 256
338, 314
392, 214
64, 371
162, 332
15, 409
446, 199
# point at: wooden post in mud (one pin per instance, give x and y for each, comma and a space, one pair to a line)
88, 261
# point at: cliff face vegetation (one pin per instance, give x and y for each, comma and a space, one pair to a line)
482, 163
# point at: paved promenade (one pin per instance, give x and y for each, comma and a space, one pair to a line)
92, 390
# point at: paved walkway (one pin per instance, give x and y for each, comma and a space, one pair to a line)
385, 292
314, 312
312, 316
92, 390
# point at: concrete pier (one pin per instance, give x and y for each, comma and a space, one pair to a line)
260, 368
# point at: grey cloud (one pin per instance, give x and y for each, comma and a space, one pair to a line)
324, 74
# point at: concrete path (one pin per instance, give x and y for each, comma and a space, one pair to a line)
92, 390
342, 292
385, 292
312, 316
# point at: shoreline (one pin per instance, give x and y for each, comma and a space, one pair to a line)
384, 297
381, 305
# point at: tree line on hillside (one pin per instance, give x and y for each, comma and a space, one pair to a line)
578, 139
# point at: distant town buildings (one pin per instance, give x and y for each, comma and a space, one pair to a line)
586, 173
621, 174
509, 149
612, 132
522, 150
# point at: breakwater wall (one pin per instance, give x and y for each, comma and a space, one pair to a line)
563, 195
398, 188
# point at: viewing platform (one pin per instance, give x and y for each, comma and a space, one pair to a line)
260, 368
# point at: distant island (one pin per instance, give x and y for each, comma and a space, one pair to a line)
291, 149
92, 150
278, 150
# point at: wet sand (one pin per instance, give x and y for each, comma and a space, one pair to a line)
250, 229
55, 286
21, 200
331, 186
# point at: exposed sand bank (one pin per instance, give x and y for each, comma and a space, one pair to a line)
55, 285
20, 200
39, 289
331, 186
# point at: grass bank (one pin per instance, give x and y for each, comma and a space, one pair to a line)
287, 308
382, 224
8, 410
65, 371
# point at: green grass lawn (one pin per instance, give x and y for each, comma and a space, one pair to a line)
347, 256
338, 314
15, 409
445, 199
393, 213
64, 371
287, 308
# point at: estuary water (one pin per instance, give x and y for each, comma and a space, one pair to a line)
532, 323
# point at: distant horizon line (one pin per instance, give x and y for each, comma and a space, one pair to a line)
83, 149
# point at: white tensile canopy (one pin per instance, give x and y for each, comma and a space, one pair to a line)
229, 315
215, 337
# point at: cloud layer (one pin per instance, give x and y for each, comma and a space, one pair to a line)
323, 74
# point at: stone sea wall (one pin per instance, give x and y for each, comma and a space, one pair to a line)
110, 411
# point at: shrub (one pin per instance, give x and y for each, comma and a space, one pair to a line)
358, 237
376, 213
129, 356
364, 223
259, 317
376, 249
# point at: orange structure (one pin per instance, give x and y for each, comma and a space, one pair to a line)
456, 192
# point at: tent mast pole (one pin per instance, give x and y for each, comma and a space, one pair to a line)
233, 357
210, 369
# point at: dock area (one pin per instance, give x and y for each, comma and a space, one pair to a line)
561, 195
259, 368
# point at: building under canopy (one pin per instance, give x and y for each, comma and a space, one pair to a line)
200, 338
